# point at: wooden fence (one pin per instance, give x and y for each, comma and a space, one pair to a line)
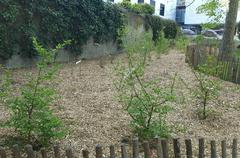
228, 70
158, 148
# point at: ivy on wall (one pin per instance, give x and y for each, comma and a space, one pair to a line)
53, 21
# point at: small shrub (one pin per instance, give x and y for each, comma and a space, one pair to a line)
170, 29
162, 44
158, 24
31, 115
207, 89
144, 101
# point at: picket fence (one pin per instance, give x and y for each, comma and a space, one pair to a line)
159, 148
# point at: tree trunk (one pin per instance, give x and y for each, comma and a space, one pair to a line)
228, 46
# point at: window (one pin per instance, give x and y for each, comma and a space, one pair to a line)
140, 1
152, 3
180, 15
110, 0
162, 9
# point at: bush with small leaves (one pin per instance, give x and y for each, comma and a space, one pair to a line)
31, 115
144, 100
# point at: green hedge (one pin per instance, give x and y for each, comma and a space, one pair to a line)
158, 24
53, 21
141, 8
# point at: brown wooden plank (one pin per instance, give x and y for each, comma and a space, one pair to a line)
176, 147
16, 152
188, 144
56, 150
213, 149
164, 143
201, 148
85, 153
224, 149
135, 148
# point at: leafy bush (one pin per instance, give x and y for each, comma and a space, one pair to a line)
170, 29
158, 24
138, 8
145, 101
31, 115
207, 89
54, 21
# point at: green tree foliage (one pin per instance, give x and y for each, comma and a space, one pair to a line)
31, 115
212, 9
144, 100
158, 24
53, 21
142, 8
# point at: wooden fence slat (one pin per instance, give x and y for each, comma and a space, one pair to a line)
3, 153
123, 151
234, 148
188, 144
201, 148
85, 153
159, 147
146, 148
56, 150
135, 148
165, 148
213, 149
29, 151
112, 151
224, 149
44, 153
99, 151
69, 152
16, 152
176, 147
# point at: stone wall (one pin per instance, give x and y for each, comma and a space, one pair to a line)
89, 50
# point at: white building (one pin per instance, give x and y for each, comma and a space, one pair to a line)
163, 8
184, 12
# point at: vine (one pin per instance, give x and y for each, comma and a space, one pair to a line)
53, 21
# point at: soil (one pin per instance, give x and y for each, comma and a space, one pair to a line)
93, 115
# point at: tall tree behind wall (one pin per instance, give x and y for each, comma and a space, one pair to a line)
227, 46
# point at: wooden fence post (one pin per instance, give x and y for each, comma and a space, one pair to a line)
29, 151
99, 152
56, 151
234, 148
176, 147
135, 148
213, 149
44, 153
85, 153
188, 144
201, 148
16, 152
146, 148
165, 148
224, 149
3, 153
112, 151
123, 151
69, 152
159, 147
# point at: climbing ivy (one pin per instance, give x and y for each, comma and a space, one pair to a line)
53, 21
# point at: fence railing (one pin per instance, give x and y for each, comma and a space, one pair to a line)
228, 69
159, 148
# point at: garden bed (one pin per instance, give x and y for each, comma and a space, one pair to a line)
93, 115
